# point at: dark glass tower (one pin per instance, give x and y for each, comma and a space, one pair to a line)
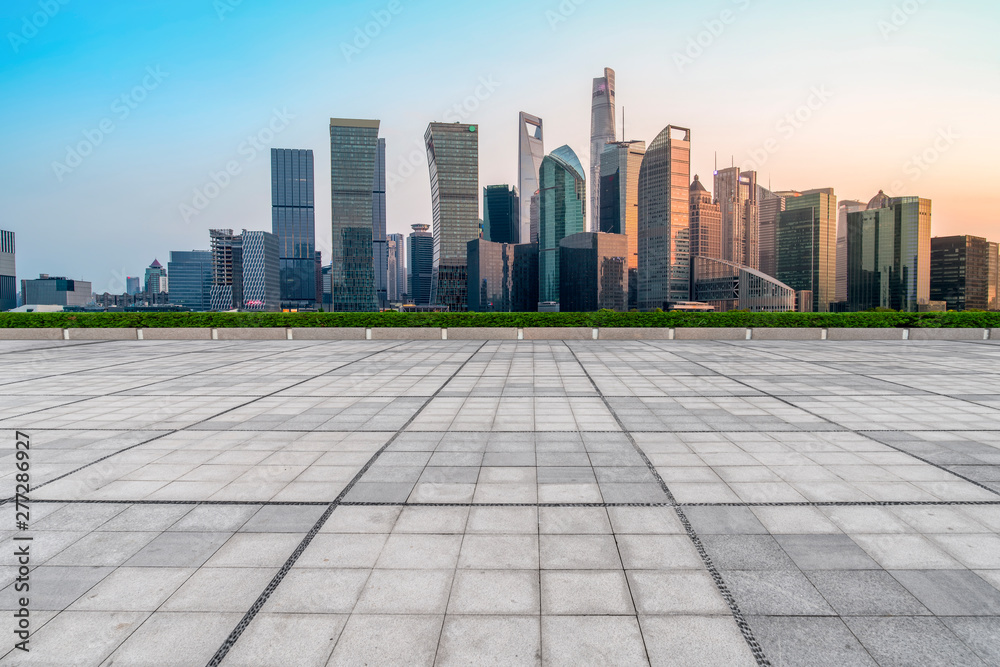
562, 212
191, 279
8, 280
806, 245
380, 251
500, 210
293, 221
420, 265
354, 150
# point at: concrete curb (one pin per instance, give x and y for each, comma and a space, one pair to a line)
100, 334
31, 334
328, 333
650, 333
764, 333
176, 334
558, 333
482, 334
406, 333
948, 334
251, 333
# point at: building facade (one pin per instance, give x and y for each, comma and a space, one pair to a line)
133, 284
260, 272
664, 214
736, 194
503, 277
889, 254
191, 279
453, 161
501, 208
56, 291
706, 223
8, 272
994, 286
806, 245
156, 279
293, 221
530, 153
420, 265
594, 274
562, 211
730, 286
619, 193
770, 205
227, 258
845, 208
602, 132
380, 252
354, 161
960, 272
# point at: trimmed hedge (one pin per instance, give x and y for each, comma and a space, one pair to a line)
603, 319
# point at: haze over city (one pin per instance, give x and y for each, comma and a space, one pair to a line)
857, 96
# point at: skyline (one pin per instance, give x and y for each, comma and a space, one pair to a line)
881, 98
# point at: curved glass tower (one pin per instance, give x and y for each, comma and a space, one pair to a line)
602, 132
562, 211
530, 153
664, 214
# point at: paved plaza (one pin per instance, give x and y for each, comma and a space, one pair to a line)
505, 503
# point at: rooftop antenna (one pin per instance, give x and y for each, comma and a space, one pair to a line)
623, 124
716, 161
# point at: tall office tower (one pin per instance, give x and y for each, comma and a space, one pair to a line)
594, 274
453, 161
8, 272
293, 221
56, 291
889, 254
602, 132
771, 205
133, 285
960, 272
706, 223
736, 194
619, 193
503, 277
501, 207
994, 286
260, 272
664, 216
354, 162
227, 258
191, 279
845, 207
806, 245
380, 256
399, 277
420, 265
327, 277
530, 153
156, 279
562, 211
392, 287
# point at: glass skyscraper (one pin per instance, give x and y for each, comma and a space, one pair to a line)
191, 279
594, 272
960, 272
736, 194
293, 221
453, 160
420, 265
844, 208
771, 205
260, 272
501, 208
664, 218
602, 132
889, 253
806, 245
396, 245
354, 159
503, 277
706, 222
530, 153
8, 272
380, 252
619, 193
562, 211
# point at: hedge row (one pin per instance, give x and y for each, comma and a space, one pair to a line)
605, 319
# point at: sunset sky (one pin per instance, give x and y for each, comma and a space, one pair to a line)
858, 95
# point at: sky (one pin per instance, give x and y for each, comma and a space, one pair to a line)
131, 129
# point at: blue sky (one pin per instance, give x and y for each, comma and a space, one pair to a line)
905, 97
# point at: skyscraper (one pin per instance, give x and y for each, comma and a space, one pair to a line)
501, 208
562, 211
133, 285
354, 160
706, 223
806, 245
602, 132
594, 273
156, 279
380, 257
293, 221
994, 286
260, 272
227, 258
503, 277
619, 193
420, 265
736, 194
960, 272
845, 207
453, 161
530, 153
8, 272
889, 254
396, 244
771, 205
191, 279
664, 216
